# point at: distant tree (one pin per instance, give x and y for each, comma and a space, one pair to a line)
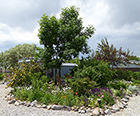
10, 57
63, 38
111, 54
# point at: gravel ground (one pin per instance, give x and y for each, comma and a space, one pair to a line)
133, 108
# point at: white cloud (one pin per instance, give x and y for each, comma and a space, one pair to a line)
17, 35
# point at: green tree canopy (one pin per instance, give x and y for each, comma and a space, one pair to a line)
10, 57
63, 38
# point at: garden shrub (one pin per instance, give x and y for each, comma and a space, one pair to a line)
21, 76
136, 75
1, 76
118, 84
98, 71
83, 85
121, 74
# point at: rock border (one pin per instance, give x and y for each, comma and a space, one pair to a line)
119, 106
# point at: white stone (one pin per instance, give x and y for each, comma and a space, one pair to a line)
38, 106
88, 110
49, 107
95, 112
116, 109
56, 107
125, 100
16, 103
82, 111
21, 103
127, 97
44, 106
108, 112
12, 96
12, 101
32, 104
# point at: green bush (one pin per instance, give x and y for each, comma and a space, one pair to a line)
121, 74
136, 75
1, 76
21, 76
82, 86
98, 71
118, 84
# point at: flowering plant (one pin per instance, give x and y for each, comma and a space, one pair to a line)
105, 94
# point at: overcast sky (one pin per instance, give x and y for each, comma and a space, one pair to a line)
117, 20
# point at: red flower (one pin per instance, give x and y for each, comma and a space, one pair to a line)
70, 77
76, 93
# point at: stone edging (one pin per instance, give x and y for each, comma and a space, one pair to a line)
119, 106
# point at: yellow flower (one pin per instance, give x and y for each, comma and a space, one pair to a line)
11, 68
21, 75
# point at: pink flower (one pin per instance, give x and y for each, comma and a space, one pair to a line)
102, 95
98, 95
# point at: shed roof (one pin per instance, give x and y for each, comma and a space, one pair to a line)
69, 64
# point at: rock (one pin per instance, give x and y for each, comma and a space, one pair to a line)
95, 112
108, 112
32, 104
81, 108
38, 106
126, 97
125, 100
97, 108
25, 103
21, 103
120, 105
91, 114
83, 112
12, 96
49, 107
138, 92
8, 98
79, 111
11, 101
133, 95
101, 111
72, 108
16, 103
124, 103
113, 111
28, 104
67, 108
76, 110
116, 109
56, 107
44, 106
88, 110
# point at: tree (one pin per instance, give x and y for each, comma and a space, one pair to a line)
111, 54
10, 57
63, 38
